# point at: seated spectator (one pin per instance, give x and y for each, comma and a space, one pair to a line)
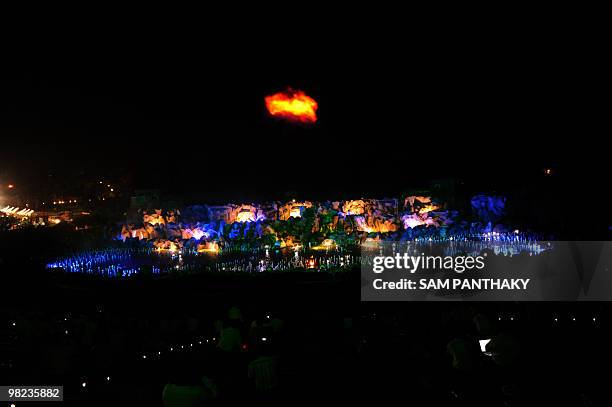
235, 314
263, 370
259, 328
274, 322
505, 350
463, 354
175, 395
230, 339
186, 389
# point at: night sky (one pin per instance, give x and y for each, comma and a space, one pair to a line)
198, 126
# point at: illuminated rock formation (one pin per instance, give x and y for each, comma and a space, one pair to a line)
293, 210
155, 218
245, 215
420, 204
164, 245
356, 207
375, 224
413, 220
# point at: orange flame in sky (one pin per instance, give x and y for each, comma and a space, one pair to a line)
292, 105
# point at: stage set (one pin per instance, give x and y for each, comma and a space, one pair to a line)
294, 235
307, 235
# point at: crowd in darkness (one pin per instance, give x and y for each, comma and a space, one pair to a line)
245, 353
104, 355
152, 342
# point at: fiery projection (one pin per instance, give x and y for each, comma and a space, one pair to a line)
14, 211
292, 105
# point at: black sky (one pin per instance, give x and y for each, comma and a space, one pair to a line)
493, 115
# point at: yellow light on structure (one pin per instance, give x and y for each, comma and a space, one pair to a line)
245, 216
428, 208
327, 244
11, 186
296, 212
208, 247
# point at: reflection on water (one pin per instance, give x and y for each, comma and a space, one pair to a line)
130, 262
126, 262
466, 247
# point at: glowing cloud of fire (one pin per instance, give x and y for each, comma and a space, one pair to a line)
292, 105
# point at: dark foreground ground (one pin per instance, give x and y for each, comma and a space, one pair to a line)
108, 335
